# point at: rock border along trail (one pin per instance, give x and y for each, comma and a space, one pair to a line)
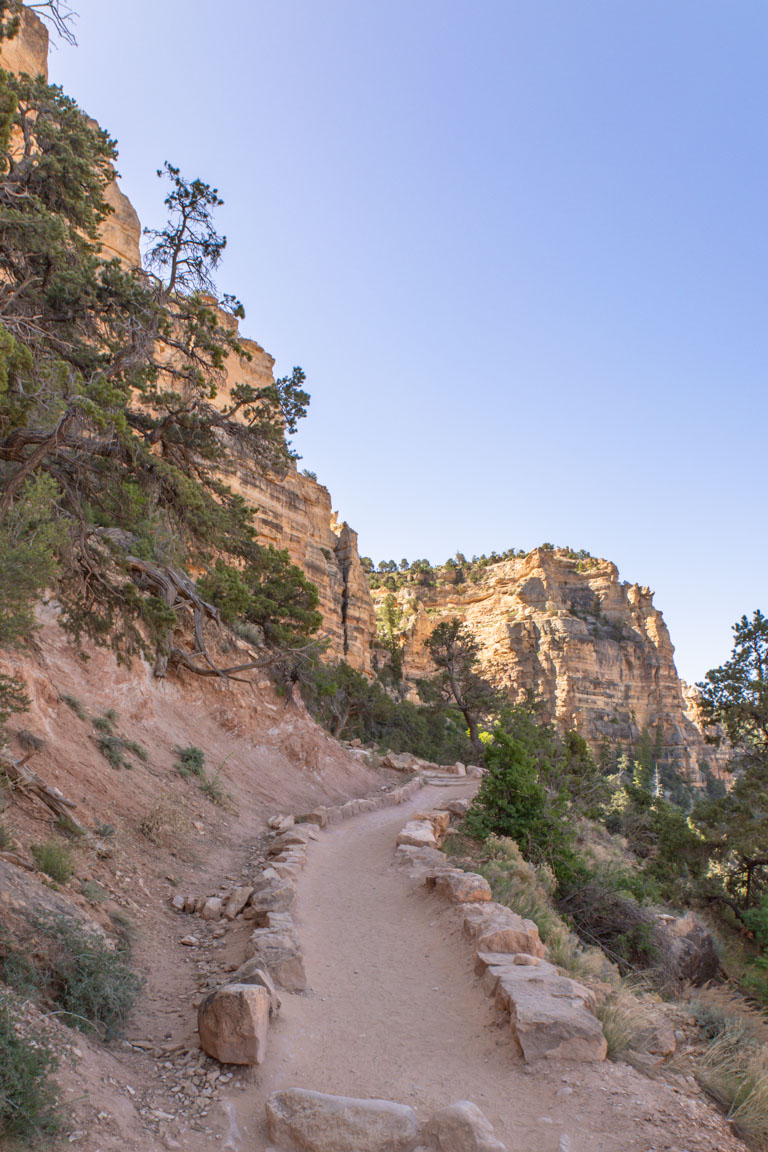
393, 1010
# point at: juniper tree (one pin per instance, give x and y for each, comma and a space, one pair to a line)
107, 380
454, 651
735, 702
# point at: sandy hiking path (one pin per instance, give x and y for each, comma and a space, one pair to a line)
394, 1011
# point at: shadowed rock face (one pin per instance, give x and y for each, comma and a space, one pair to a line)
595, 649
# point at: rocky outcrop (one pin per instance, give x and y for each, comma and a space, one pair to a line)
27, 52
594, 649
121, 231
293, 512
564, 627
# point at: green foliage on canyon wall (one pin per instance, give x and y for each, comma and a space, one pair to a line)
109, 431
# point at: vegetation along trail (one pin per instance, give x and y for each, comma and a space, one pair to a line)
394, 1011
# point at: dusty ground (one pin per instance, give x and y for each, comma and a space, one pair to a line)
394, 1009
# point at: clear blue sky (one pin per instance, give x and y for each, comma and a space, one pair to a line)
519, 248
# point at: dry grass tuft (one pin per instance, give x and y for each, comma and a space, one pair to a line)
163, 817
734, 1070
628, 1021
718, 1007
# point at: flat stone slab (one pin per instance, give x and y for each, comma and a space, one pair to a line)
496, 928
236, 901
418, 834
305, 1121
275, 897
251, 973
294, 837
277, 949
461, 887
551, 1016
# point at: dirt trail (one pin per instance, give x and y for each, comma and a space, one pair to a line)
395, 1012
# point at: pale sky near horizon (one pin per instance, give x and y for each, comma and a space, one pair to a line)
519, 249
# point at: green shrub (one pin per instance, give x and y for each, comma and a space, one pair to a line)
112, 749
5, 838
93, 891
105, 723
628, 1022
513, 802
28, 1096
716, 1008
76, 706
17, 969
528, 890
211, 787
137, 750
91, 982
113, 746
352, 707
54, 859
190, 761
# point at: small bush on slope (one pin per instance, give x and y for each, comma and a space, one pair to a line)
54, 859
190, 761
28, 1097
92, 982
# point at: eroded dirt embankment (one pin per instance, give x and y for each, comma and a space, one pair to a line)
393, 1008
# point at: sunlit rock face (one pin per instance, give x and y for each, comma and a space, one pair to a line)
27, 52
594, 649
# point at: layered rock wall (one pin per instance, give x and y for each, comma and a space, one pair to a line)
27, 52
594, 649
292, 511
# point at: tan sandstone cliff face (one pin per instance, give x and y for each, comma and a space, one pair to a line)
293, 512
27, 52
594, 647
596, 650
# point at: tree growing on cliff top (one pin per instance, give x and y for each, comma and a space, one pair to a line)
107, 376
54, 12
454, 651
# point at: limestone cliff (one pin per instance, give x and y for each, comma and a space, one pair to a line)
27, 52
595, 650
292, 511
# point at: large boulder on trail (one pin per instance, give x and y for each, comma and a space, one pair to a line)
315, 1122
233, 1023
461, 1127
